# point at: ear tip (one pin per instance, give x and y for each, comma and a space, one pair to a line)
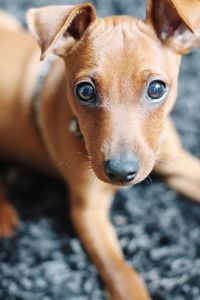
42, 56
43, 52
90, 8
30, 12
89, 5
29, 18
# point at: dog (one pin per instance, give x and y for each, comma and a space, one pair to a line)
96, 113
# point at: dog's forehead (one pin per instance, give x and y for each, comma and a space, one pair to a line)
116, 33
113, 25
120, 43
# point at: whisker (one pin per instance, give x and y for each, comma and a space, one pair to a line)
87, 164
148, 180
164, 162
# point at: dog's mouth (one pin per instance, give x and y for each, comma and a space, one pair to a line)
100, 174
122, 178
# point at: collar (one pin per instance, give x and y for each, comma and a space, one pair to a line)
45, 68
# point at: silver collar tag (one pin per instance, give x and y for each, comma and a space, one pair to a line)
75, 129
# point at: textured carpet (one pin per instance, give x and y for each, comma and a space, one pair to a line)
159, 231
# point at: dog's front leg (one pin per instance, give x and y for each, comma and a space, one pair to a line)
180, 169
90, 205
8, 215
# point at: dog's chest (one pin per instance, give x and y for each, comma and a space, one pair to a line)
19, 69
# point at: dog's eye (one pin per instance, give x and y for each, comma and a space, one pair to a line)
157, 89
85, 93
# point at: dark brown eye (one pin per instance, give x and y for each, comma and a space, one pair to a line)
85, 93
157, 90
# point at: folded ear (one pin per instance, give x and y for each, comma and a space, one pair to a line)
176, 22
50, 23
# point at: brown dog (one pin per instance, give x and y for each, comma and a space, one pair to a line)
118, 78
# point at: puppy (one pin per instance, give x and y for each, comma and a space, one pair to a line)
98, 115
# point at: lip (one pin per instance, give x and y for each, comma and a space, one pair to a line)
138, 179
117, 184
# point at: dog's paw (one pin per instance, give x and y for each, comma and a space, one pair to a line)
8, 220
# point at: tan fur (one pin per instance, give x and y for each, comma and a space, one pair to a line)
8, 215
9, 22
122, 54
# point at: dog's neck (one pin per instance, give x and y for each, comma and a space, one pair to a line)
46, 66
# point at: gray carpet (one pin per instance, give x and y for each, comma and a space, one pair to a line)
159, 231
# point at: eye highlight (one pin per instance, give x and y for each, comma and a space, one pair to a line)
85, 92
156, 91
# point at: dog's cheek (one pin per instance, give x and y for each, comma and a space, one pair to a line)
146, 167
146, 156
153, 125
151, 128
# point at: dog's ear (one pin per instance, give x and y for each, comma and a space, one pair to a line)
176, 22
49, 24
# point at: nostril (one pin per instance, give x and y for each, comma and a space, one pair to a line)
131, 176
111, 176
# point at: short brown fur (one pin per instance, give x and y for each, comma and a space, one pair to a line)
122, 55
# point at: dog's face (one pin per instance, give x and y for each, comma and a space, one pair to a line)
121, 86
121, 81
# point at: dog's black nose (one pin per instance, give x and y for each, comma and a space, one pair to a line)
123, 169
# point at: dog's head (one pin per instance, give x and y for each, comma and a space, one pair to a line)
121, 77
